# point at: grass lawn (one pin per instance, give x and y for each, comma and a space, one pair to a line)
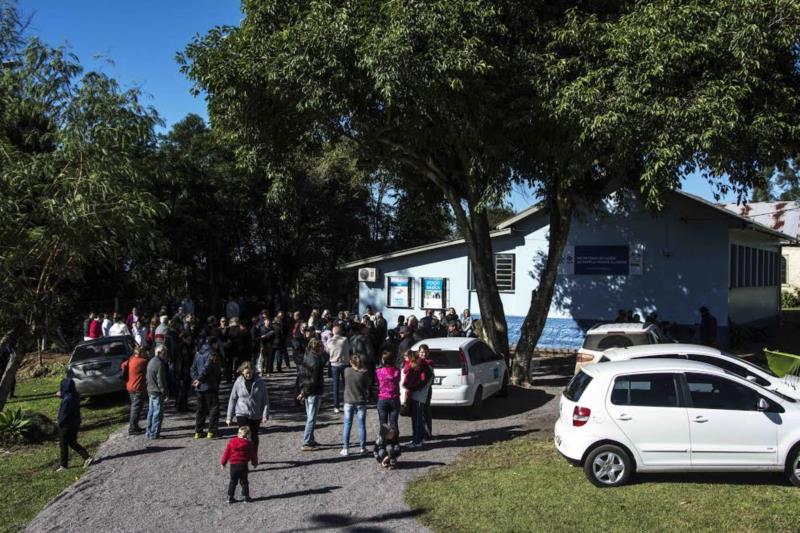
27, 474
525, 485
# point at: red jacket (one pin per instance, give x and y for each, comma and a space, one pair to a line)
95, 329
137, 373
239, 451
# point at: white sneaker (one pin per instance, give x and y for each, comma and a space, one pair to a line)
88, 462
362, 451
60, 469
345, 452
336, 410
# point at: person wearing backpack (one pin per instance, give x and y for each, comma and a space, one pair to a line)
135, 371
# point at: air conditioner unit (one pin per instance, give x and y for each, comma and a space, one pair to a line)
368, 274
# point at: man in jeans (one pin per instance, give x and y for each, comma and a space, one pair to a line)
136, 384
339, 353
311, 390
157, 389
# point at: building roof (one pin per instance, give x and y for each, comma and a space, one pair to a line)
507, 228
780, 216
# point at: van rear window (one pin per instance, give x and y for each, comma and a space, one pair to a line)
575, 388
444, 358
614, 340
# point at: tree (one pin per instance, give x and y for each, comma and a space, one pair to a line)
71, 181
779, 184
432, 89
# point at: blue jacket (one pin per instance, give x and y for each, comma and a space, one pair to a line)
69, 412
205, 370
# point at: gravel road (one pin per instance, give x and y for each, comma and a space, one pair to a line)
177, 485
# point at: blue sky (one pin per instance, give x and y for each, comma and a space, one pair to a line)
135, 42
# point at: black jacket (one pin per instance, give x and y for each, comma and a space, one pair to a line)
69, 412
311, 375
405, 344
362, 345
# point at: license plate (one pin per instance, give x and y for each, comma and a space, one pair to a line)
437, 380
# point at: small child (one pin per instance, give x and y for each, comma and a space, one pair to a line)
387, 447
69, 422
239, 450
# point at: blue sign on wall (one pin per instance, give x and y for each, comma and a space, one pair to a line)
602, 260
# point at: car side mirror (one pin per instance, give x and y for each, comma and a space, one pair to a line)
751, 379
763, 404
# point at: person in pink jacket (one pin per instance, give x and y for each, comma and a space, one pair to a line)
388, 377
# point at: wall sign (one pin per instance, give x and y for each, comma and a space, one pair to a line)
399, 291
602, 260
433, 293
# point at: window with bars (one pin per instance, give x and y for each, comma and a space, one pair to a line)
505, 266
754, 267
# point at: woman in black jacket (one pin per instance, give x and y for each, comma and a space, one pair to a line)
69, 422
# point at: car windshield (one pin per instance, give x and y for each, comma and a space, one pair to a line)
576, 386
444, 358
100, 349
604, 341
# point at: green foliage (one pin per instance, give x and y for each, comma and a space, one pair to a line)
13, 424
790, 298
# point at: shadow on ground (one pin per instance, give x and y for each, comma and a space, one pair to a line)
355, 524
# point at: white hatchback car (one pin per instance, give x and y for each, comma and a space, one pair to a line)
466, 372
696, 352
617, 335
672, 415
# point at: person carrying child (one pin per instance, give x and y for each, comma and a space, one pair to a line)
387, 447
238, 452
69, 422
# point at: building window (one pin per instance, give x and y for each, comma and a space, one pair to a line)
783, 270
504, 272
733, 281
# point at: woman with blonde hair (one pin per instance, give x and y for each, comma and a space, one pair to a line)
249, 401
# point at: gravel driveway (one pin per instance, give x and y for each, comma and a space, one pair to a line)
177, 485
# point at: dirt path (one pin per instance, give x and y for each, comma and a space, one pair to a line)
177, 485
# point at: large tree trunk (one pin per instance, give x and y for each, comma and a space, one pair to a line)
561, 210
14, 339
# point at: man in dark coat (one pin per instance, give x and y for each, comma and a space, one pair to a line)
69, 422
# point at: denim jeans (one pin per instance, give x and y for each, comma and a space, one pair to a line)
279, 356
312, 407
361, 415
337, 374
417, 421
388, 411
155, 414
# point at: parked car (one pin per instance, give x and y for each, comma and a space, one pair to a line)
673, 415
619, 335
466, 372
705, 354
95, 365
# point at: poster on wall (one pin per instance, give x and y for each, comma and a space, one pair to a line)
433, 296
602, 260
636, 260
399, 291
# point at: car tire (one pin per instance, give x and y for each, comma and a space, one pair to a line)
503, 392
477, 404
793, 466
608, 466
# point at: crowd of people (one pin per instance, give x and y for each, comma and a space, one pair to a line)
367, 361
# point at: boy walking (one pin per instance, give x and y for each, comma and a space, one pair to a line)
238, 452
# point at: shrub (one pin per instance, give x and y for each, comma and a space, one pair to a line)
40, 429
12, 426
790, 298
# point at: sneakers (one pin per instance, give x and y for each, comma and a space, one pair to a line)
412, 445
88, 462
197, 436
231, 500
306, 448
345, 452
336, 410
60, 469
135, 431
362, 451
210, 435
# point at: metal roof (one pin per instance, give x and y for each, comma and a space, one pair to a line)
780, 216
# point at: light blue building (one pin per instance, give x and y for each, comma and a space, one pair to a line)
692, 253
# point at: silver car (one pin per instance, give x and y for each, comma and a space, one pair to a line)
95, 365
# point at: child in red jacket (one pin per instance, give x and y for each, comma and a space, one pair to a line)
239, 450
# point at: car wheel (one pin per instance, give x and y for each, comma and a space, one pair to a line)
608, 466
793, 467
503, 392
477, 404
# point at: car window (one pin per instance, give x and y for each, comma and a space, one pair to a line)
730, 366
480, 353
715, 392
651, 390
444, 358
577, 385
666, 356
102, 349
599, 341
488, 354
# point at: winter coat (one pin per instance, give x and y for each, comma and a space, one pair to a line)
339, 350
253, 404
239, 451
418, 380
156, 377
69, 412
205, 370
137, 373
362, 345
311, 375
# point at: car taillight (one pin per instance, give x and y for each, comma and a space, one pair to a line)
580, 415
585, 357
463, 359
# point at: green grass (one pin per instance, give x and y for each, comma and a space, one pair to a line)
27, 473
524, 485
